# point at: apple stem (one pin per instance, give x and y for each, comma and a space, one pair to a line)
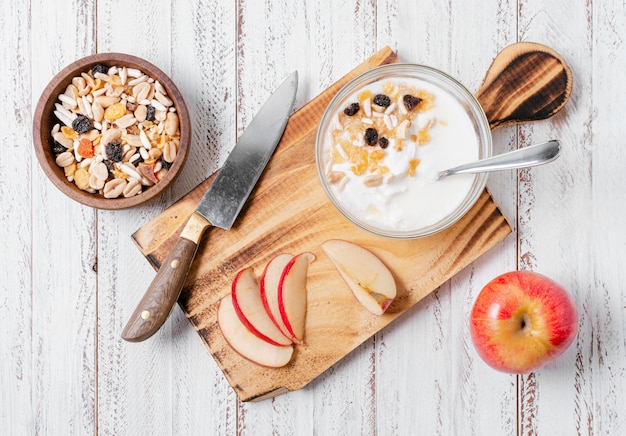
525, 322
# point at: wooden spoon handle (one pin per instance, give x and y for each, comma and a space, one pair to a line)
526, 82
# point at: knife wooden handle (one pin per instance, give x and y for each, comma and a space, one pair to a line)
159, 299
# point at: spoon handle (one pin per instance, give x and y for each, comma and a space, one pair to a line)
524, 157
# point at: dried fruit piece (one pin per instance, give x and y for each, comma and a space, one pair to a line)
58, 148
371, 136
382, 100
113, 151
81, 178
115, 111
69, 132
367, 94
423, 136
150, 113
85, 148
352, 109
410, 101
82, 124
70, 169
109, 165
147, 170
377, 155
383, 142
99, 68
413, 163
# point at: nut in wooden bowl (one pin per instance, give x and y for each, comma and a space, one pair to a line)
111, 131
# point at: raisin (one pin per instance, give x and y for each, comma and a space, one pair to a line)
82, 124
109, 164
410, 102
57, 148
383, 142
114, 151
150, 113
352, 109
165, 164
382, 100
137, 161
371, 136
99, 68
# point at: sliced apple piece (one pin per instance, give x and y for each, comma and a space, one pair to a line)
292, 295
367, 276
250, 310
246, 343
270, 280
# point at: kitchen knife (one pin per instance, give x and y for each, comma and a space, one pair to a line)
218, 208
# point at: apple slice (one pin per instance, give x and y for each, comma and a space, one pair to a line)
270, 280
367, 276
292, 295
246, 343
249, 307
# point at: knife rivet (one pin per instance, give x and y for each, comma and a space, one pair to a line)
175, 263
145, 314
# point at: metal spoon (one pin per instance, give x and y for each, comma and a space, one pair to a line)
537, 154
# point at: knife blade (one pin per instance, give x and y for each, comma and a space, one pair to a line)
218, 208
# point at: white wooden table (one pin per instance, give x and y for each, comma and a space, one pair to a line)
70, 275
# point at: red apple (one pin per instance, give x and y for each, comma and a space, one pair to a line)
249, 307
292, 295
246, 343
367, 276
522, 320
269, 284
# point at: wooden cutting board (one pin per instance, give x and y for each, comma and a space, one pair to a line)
288, 212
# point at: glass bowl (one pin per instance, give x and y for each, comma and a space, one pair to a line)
411, 214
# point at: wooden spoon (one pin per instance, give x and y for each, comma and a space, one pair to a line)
526, 81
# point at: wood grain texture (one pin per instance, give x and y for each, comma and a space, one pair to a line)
160, 297
275, 220
71, 276
601, 393
322, 43
563, 193
17, 377
440, 385
526, 82
64, 285
133, 395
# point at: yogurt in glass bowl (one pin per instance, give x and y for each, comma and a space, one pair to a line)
383, 140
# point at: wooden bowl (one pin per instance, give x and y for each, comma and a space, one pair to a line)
44, 120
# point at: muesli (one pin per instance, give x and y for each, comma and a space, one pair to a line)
118, 131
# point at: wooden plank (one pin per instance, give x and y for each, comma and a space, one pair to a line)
322, 43
564, 211
203, 64
601, 387
430, 379
17, 377
134, 383
277, 220
64, 282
